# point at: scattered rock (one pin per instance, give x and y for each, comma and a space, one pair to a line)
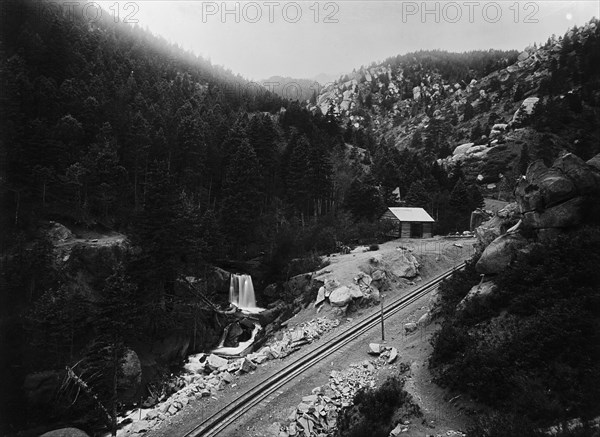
393, 355
410, 327
375, 348
378, 275
140, 426
320, 296
425, 319
216, 362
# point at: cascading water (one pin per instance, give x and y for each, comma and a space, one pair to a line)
241, 293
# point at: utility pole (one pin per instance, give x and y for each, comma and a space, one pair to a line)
382, 327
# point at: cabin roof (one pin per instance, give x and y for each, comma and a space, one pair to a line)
411, 215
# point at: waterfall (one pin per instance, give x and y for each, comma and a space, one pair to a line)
241, 292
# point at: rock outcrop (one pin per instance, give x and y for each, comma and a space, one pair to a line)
500, 253
549, 201
556, 197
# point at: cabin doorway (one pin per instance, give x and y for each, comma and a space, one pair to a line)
416, 230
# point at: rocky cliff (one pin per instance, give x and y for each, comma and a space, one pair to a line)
549, 201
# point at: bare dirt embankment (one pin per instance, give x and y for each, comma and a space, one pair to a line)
434, 256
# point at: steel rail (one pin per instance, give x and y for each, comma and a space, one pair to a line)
218, 421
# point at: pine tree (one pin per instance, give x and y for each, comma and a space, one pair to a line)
364, 199
469, 112
417, 195
459, 206
241, 195
297, 174
524, 160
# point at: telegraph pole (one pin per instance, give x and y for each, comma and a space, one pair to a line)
382, 328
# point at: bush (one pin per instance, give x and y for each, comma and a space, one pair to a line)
534, 349
374, 247
374, 410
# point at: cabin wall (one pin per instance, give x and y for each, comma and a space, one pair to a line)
427, 230
405, 230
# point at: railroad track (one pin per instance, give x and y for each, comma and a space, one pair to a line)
253, 396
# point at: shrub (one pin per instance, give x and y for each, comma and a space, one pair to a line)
534, 349
374, 410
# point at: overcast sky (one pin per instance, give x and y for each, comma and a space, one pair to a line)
302, 39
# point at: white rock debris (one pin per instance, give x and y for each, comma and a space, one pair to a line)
206, 375
317, 414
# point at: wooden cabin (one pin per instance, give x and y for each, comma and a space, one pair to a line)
409, 222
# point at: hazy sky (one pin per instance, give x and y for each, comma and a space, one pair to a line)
304, 38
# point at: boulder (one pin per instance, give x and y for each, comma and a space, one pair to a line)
497, 225
479, 291
478, 217
320, 296
378, 275
462, 149
194, 368
393, 355
65, 432
215, 362
227, 377
410, 327
567, 214
543, 187
500, 253
340, 296
130, 379
594, 162
246, 365
525, 109
424, 319
585, 177
57, 233
405, 265
140, 426
375, 348
355, 293
330, 285
362, 279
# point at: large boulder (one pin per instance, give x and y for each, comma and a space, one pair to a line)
65, 432
340, 296
543, 187
556, 197
567, 214
500, 253
478, 217
594, 162
57, 233
524, 110
131, 377
402, 264
497, 225
215, 362
585, 177
479, 291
